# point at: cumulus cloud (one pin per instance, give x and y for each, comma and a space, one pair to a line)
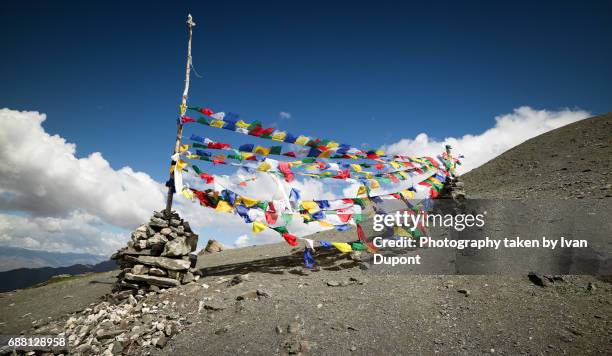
71, 204
509, 130
40, 174
284, 115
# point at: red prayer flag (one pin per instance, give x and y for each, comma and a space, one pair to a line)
206, 111
291, 240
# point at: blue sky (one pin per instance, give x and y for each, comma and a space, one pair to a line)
109, 76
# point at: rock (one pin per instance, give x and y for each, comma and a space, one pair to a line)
263, 293
192, 241
140, 269
278, 329
221, 331
165, 231
176, 248
153, 280
356, 256
188, 278
193, 259
141, 245
464, 291
157, 272
175, 222
161, 342
163, 262
107, 334
536, 279
117, 348
250, 295
158, 222
154, 289
333, 283
293, 328
157, 239
591, 286
238, 279
213, 305
212, 246
175, 275
171, 329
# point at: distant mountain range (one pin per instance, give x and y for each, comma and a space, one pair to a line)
13, 258
22, 268
27, 277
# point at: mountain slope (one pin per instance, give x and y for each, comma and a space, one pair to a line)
573, 161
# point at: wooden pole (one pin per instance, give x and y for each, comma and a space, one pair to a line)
183, 109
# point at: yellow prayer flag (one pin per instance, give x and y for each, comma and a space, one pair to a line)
182, 164
187, 193
434, 181
311, 206
356, 167
302, 140
342, 246
264, 167
325, 223
394, 164
400, 231
242, 124
223, 206
258, 227
332, 144
326, 154
362, 190
248, 202
246, 155
279, 136
260, 150
217, 123
183, 148
408, 194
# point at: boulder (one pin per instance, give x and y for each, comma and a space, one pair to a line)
212, 246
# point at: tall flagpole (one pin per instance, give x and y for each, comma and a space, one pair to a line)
183, 109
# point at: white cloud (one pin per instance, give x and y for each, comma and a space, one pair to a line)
71, 204
242, 241
78, 232
509, 130
40, 174
284, 115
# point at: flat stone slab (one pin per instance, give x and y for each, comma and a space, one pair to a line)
164, 262
156, 281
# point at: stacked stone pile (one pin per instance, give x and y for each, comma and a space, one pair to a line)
159, 255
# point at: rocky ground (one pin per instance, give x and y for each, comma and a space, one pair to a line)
260, 300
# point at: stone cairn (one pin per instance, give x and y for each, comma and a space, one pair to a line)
158, 256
